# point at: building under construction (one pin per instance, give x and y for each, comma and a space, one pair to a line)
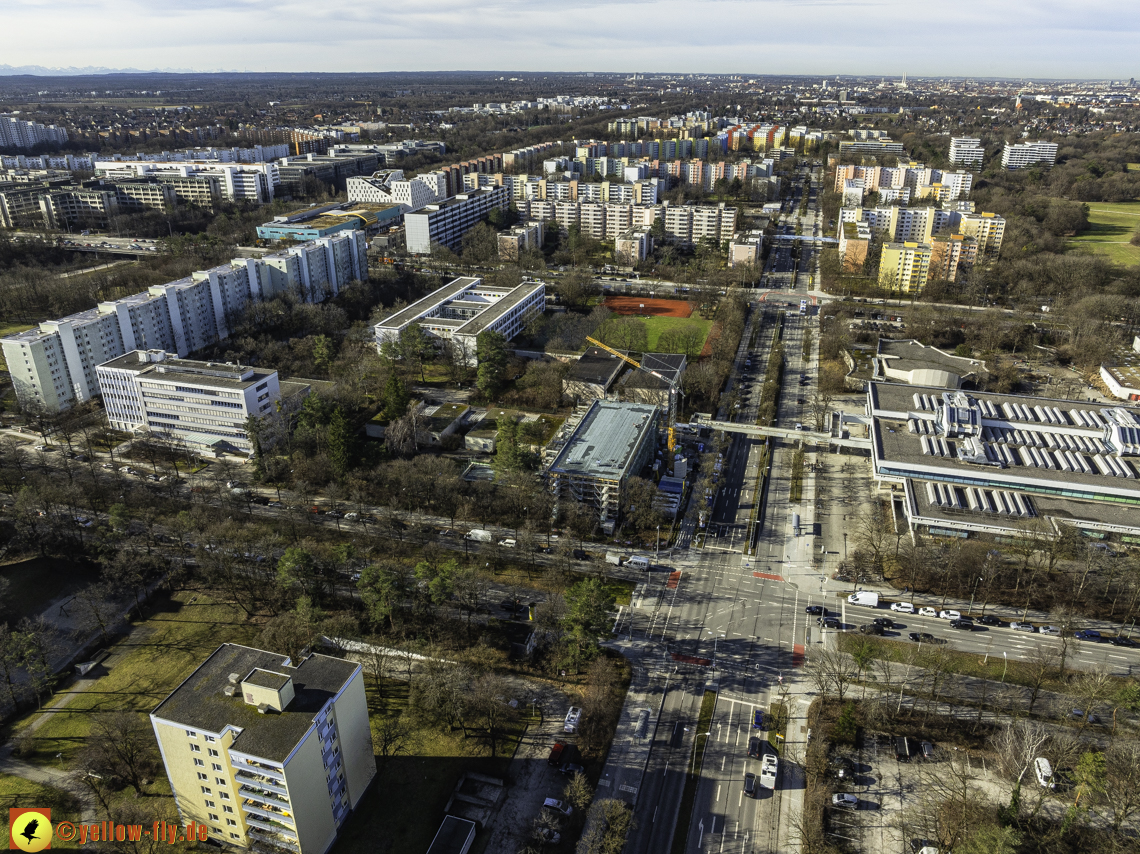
612, 442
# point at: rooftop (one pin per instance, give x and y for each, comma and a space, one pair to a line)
485, 318
187, 371
596, 366
200, 702
1124, 366
913, 362
669, 365
449, 291
605, 441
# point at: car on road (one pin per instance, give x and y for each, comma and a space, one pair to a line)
557, 806
754, 747
1123, 641
750, 785
815, 610
759, 720
885, 622
921, 637
571, 768
1088, 635
41, 447
871, 629
1018, 626
845, 800
989, 620
829, 622
949, 615
927, 612
1049, 630
903, 607
962, 623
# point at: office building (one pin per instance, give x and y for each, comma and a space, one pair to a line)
296, 174
203, 405
519, 238
595, 457
1022, 154
389, 187
446, 222
904, 267
16, 133
53, 366
974, 463
268, 754
462, 309
966, 151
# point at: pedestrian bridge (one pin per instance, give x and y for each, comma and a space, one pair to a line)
806, 436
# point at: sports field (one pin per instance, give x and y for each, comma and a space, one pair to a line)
659, 316
1111, 226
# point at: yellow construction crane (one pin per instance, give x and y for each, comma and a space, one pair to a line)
673, 390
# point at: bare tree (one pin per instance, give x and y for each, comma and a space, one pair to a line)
121, 747
830, 671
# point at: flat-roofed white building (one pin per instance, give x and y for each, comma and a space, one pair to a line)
966, 151
446, 222
464, 308
1022, 154
201, 404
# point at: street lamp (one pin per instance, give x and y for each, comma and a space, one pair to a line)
657, 559
972, 592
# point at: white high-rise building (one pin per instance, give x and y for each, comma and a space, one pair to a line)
1022, 154
16, 133
966, 151
53, 366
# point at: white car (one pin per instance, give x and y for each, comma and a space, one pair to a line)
927, 612
949, 615
903, 607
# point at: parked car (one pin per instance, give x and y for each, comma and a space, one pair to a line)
927, 612
1119, 640
759, 720
1021, 627
989, 620
572, 768
557, 806
962, 623
903, 607
1049, 630
921, 637
949, 615
927, 750
1088, 635
1078, 714
845, 800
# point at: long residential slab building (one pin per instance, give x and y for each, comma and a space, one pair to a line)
53, 366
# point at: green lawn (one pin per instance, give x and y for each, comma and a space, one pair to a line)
1111, 226
182, 633
658, 325
10, 329
16, 792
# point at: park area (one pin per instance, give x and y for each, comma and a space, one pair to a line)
1111, 226
663, 319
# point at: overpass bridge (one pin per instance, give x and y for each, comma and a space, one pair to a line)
807, 436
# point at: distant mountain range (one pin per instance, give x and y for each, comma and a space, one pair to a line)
44, 71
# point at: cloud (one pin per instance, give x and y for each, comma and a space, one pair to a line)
969, 38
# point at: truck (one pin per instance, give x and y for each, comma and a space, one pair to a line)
795, 524
479, 535
870, 600
769, 768
614, 557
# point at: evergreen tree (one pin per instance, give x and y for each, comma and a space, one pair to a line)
491, 351
508, 457
341, 442
395, 397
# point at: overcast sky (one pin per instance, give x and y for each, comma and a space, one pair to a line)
1009, 38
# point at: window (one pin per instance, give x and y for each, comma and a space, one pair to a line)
211, 751
206, 790
224, 796
216, 766
227, 809
199, 762
210, 739
203, 775
213, 817
191, 734
235, 836
195, 748
221, 781
211, 804
231, 823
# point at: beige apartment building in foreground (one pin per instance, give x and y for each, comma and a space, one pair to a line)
268, 755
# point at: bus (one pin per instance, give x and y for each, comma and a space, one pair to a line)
803, 306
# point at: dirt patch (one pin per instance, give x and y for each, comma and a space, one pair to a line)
649, 307
714, 334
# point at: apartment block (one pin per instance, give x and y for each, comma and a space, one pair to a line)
986, 228
952, 256
745, 247
527, 235
237, 182
632, 246
53, 366
446, 222
390, 187
1022, 154
966, 151
16, 133
905, 267
269, 754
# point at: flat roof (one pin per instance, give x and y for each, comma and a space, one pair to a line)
199, 702
606, 439
421, 306
669, 365
596, 366
1124, 366
496, 310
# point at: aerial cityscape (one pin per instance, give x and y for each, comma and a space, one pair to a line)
742, 458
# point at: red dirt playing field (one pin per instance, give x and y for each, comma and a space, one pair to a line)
647, 306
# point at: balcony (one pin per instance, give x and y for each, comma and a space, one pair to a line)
267, 813
257, 769
271, 827
268, 843
264, 797
263, 783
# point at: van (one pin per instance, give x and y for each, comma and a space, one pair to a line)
870, 600
1044, 772
902, 748
614, 558
555, 757
638, 562
572, 718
